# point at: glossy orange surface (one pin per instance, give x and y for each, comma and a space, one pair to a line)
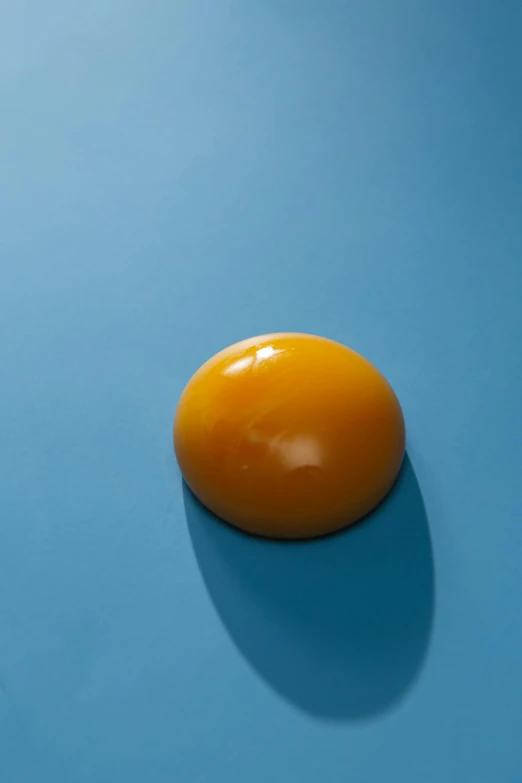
289, 435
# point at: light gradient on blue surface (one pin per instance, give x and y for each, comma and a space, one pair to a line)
177, 176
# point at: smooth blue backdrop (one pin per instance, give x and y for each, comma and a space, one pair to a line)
179, 175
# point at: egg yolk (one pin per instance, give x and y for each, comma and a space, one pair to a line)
289, 435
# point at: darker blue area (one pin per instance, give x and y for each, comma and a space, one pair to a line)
340, 626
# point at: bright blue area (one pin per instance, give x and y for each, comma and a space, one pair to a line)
179, 175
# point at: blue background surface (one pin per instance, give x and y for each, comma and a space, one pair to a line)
177, 176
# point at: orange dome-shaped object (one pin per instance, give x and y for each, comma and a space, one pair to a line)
289, 435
